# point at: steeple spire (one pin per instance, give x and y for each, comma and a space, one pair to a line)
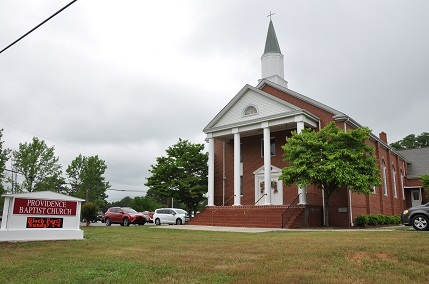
272, 59
271, 44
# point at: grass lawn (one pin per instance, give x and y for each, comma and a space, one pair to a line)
148, 254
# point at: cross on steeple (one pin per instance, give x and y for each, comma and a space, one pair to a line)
270, 15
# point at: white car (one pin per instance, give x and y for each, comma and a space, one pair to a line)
170, 216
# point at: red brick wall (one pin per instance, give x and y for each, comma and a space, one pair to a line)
252, 160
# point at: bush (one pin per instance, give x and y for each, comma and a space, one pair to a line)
89, 212
376, 220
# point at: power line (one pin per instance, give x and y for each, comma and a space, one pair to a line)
33, 29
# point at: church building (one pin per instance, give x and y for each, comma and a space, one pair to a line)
245, 160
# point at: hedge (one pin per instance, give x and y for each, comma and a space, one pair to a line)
376, 220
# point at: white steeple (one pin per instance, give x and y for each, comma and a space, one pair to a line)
272, 59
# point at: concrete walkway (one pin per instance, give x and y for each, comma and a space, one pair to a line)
264, 230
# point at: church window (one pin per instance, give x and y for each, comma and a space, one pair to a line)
250, 110
395, 194
384, 173
272, 147
402, 185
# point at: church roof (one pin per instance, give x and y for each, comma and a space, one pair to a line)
264, 82
418, 161
271, 44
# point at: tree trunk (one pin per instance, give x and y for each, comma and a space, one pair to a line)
326, 199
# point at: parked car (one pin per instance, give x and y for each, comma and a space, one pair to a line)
170, 216
149, 215
99, 218
124, 216
417, 216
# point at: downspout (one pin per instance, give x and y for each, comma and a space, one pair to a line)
323, 192
223, 173
349, 191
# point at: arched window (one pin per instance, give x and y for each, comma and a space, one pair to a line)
402, 185
395, 194
383, 171
250, 110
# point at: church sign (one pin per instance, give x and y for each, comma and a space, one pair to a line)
41, 215
44, 207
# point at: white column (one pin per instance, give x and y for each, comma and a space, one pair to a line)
237, 194
301, 191
211, 173
267, 165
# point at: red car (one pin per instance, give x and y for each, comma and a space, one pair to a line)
124, 216
149, 216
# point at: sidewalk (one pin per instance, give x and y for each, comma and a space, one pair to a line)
264, 230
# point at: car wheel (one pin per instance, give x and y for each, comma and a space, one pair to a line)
179, 221
420, 223
126, 222
108, 222
157, 221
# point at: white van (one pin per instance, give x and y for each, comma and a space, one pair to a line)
170, 216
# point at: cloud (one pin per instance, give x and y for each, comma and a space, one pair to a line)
126, 80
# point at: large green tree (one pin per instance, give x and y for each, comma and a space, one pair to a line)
86, 180
181, 174
4, 157
145, 203
331, 159
39, 166
425, 181
412, 142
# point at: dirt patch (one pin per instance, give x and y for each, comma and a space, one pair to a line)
359, 257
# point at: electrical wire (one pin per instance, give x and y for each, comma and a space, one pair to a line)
33, 29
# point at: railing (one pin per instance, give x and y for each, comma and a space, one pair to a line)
221, 206
294, 202
252, 208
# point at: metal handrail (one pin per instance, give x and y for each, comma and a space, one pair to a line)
221, 206
252, 208
292, 203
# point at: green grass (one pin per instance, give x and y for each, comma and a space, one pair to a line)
145, 254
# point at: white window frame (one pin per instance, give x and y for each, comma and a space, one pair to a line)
383, 166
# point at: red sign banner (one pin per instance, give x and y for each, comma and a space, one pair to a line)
36, 222
44, 207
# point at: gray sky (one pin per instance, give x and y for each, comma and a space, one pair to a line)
124, 80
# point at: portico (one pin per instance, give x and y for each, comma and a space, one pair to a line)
234, 122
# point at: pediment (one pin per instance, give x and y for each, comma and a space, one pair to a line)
274, 170
251, 104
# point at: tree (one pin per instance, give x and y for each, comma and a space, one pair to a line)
181, 174
89, 212
4, 157
425, 181
85, 176
331, 159
412, 142
37, 162
145, 203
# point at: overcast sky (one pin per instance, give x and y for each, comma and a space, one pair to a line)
124, 80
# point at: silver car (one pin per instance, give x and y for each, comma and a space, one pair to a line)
170, 216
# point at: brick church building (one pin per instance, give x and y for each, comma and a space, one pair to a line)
257, 121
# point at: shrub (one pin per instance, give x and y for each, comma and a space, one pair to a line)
89, 212
361, 220
376, 220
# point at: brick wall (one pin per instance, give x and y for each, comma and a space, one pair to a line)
339, 209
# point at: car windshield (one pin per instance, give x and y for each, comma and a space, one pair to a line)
180, 211
129, 210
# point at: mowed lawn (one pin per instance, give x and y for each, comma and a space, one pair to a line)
149, 254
